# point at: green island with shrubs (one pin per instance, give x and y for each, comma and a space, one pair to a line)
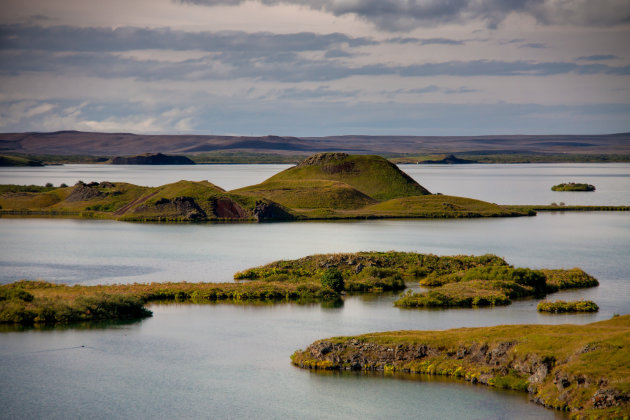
581, 369
492, 285
561, 306
324, 186
324, 277
572, 186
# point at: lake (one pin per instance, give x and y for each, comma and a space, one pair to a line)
232, 361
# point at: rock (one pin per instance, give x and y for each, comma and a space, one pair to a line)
270, 211
605, 398
82, 192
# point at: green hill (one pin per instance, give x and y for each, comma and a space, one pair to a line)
373, 176
18, 161
179, 201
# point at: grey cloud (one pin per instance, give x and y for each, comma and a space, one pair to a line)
67, 38
441, 41
401, 14
272, 66
337, 54
600, 57
533, 45
322, 92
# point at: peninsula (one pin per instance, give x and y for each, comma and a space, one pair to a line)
583, 369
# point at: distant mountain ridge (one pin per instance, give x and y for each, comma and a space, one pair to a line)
66, 143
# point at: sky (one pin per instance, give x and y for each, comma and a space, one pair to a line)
316, 68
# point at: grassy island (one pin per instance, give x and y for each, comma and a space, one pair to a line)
572, 186
313, 278
560, 306
583, 369
492, 285
324, 186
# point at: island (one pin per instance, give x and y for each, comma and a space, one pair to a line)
572, 186
323, 186
315, 278
448, 160
152, 159
583, 369
561, 306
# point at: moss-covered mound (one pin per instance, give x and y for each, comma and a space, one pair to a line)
572, 186
492, 285
582, 369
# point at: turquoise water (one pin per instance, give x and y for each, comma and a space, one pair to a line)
232, 361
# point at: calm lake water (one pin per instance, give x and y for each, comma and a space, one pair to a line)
502, 184
232, 361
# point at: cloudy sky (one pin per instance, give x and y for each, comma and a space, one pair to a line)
313, 68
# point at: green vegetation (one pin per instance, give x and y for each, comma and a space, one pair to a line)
18, 161
492, 285
18, 305
366, 271
324, 186
582, 369
333, 279
572, 186
560, 306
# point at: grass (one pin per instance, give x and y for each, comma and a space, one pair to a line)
492, 285
373, 176
584, 369
572, 186
366, 271
560, 306
310, 194
25, 306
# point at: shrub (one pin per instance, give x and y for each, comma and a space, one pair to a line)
333, 279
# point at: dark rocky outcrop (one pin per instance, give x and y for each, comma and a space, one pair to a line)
184, 208
268, 210
85, 192
226, 208
322, 158
152, 159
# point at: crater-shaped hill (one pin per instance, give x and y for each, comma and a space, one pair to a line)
179, 201
337, 180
